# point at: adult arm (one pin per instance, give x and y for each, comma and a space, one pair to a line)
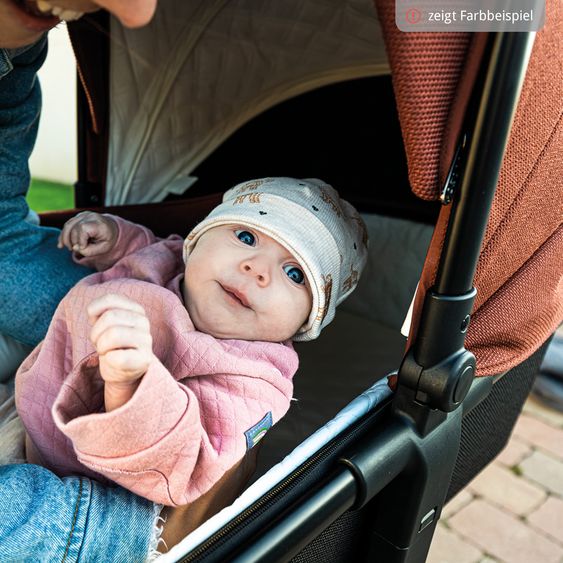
45, 518
35, 273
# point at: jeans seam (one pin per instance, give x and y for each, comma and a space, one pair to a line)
5, 63
74, 519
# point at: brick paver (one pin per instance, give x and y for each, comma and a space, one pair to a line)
545, 471
503, 536
540, 434
448, 547
502, 487
514, 452
459, 501
512, 512
535, 408
549, 518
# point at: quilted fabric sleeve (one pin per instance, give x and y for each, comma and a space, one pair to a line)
131, 237
172, 441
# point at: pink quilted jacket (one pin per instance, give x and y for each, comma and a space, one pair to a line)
197, 410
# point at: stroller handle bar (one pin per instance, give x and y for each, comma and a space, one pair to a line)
483, 143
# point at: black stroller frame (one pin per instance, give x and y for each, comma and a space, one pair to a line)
395, 466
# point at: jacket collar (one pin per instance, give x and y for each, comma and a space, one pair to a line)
7, 55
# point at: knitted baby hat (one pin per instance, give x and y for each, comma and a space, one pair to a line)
325, 234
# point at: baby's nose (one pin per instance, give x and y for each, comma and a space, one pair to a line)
258, 269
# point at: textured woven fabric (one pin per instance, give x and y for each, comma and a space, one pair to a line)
500, 410
426, 69
519, 277
342, 542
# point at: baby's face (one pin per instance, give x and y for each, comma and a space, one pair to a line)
240, 283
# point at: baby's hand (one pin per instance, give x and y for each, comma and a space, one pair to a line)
89, 234
121, 335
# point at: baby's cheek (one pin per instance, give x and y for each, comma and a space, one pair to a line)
296, 310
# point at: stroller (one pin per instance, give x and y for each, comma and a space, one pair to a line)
368, 482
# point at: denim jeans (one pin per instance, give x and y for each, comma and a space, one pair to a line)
44, 518
34, 273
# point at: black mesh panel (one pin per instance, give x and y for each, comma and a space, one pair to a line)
487, 428
339, 543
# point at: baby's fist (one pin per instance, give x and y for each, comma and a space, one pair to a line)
89, 234
121, 335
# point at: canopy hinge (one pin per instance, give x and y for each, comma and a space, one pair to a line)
454, 174
437, 371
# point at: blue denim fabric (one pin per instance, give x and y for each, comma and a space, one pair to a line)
44, 518
34, 274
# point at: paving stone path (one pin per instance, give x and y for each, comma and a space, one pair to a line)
512, 512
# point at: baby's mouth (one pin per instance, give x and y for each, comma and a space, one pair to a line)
236, 296
45, 9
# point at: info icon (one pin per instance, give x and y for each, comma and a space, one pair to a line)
413, 16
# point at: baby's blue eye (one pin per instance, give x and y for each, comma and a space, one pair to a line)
246, 237
295, 274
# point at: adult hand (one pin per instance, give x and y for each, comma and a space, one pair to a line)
89, 234
121, 335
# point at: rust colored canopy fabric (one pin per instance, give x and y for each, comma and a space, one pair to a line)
519, 276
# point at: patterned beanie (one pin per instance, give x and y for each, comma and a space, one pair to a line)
325, 234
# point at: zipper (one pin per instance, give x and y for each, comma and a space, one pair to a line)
287, 484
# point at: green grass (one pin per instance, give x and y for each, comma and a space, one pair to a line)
49, 196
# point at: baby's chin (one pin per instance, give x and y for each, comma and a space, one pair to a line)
222, 332
218, 329
226, 327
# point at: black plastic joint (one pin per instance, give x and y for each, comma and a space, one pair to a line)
443, 325
445, 385
376, 460
437, 372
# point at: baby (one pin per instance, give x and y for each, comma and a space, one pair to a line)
160, 371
